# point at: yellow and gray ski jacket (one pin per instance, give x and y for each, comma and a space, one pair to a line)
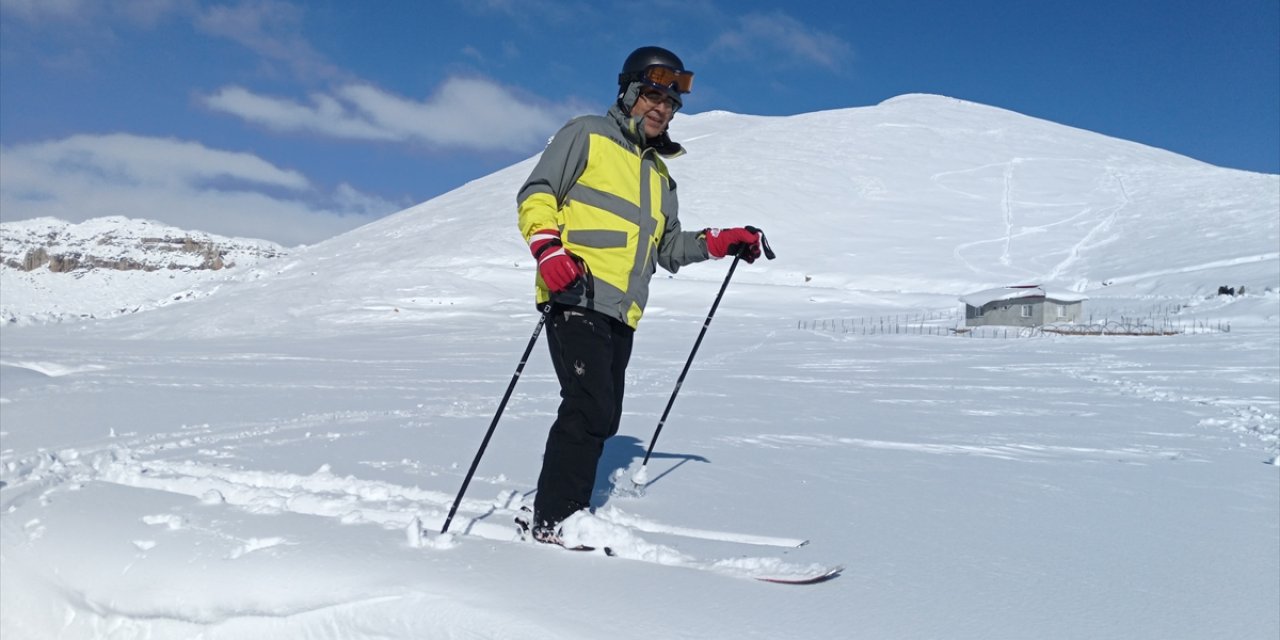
608, 192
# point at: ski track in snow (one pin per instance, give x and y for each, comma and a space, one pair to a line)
1093, 238
1008, 207
1255, 419
1207, 266
347, 500
1012, 451
52, 369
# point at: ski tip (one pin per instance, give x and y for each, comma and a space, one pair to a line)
816, 578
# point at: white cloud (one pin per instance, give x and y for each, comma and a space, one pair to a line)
473, 53
324, 115
143, 161
271, 29
465, 113
37, 10
181, 183
143, 13
778, 34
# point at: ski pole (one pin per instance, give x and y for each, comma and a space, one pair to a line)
641, 476
546, 311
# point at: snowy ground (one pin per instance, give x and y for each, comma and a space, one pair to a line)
1054, 487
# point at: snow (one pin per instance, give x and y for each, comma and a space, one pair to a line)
160, 275
262, 461
987, 296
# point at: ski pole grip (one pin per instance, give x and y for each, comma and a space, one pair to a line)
764, 242
585, 279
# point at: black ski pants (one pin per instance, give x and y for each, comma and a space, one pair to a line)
590, 352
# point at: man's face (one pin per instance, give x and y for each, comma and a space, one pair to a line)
657, 110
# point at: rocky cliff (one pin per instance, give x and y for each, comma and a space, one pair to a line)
122, 244
55, 271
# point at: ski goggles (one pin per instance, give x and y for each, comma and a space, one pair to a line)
664, 77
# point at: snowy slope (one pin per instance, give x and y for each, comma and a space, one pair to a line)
251, 464
52, 270
921, 195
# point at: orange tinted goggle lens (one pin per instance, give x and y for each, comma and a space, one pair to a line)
681, 81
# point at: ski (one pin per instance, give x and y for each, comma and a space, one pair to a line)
771, 570
577, 547
813, 578
619, 517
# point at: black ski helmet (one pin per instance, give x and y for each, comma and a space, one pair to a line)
643, 58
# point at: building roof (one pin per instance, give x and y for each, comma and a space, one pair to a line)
999, 294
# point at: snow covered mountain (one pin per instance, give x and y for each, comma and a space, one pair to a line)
923, 196
55, 270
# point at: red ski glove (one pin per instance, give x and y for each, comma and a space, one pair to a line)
555, 265
733, 242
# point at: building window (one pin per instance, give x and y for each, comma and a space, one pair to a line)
1061, 310
1026, 311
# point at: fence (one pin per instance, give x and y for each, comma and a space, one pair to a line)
1128, 326
882, 324
945, 323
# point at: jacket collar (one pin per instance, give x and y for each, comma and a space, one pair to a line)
633, 130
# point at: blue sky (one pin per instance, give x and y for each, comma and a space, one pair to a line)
294, 121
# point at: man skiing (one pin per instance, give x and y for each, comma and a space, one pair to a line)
599, 211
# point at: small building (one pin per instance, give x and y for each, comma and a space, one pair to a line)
1022, 306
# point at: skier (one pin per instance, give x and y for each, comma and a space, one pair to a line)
599, 211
